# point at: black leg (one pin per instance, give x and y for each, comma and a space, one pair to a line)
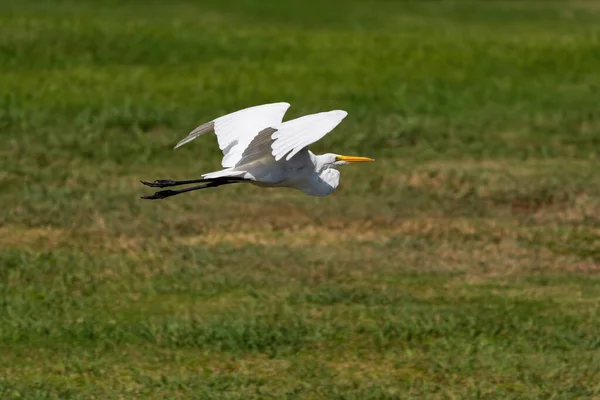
168, 182
160, 183
168, 193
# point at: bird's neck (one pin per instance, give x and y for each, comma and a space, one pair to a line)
319, 162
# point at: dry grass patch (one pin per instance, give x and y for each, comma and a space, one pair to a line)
332, 232
525, 187
37, 238
507, 258
584, 208
370, 369
354, 249
48, 238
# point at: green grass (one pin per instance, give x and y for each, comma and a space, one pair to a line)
462, 264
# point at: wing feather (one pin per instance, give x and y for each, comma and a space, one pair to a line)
259, 148
236, 131
294, 135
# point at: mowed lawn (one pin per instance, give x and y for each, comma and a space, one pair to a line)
463, 263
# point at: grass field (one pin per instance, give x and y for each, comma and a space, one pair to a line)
462, 264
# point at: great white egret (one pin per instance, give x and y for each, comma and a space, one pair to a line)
260, 149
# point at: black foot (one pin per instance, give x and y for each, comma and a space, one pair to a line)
160, 195
160, 183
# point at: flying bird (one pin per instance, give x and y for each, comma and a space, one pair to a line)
258, 148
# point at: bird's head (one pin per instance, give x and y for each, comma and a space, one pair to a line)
325, 167
336, 160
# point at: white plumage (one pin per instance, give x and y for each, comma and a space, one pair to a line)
261, 149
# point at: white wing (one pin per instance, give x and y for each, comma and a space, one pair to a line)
292, 136
235, 131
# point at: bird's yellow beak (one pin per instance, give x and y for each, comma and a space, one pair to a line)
352, 159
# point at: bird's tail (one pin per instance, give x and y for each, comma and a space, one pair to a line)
230, 172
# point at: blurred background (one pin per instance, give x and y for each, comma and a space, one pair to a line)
463, 263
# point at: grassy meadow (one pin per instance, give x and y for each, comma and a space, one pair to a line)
462, 264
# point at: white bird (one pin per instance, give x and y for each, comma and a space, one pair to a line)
260, 149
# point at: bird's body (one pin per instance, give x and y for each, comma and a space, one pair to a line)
260, 149
305, 172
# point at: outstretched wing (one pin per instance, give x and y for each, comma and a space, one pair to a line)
294, 135
235, 131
